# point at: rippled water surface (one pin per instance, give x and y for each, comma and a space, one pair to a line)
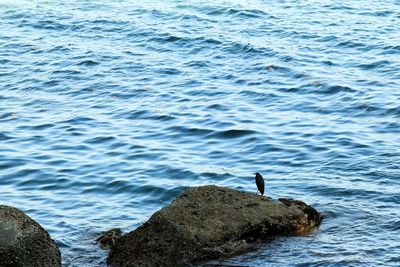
110, 109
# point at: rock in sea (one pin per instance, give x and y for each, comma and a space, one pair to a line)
24, 243
108, 238
210, 222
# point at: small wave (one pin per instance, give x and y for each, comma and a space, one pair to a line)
7, 163
79, 149
393, 111
366, 109
57, 162
198, 64
208, 40
374, 65
286, 71
39, 127
328, 63
143, 155
66, 72
219, 107
5, 137
340, 7
394, 226
343, 192
391, 49
247, 13
192, 17
165, 38
24, 173
173, 173
100, 140
191, 131
258, 95
146, 115
335, 89
248, 50
233, 133
380, 13
59, 49
350, 44
88, 63
5, 61
232, 12
168, 71
7, 115
315, 87
77, 120
49, 25
45, 183
136, 147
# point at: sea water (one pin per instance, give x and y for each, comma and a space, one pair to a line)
110, 109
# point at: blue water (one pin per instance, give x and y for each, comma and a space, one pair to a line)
108, 111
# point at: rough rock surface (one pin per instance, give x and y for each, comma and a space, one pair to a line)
108, 238
210, 222
24, 243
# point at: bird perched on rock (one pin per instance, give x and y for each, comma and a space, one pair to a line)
260, 183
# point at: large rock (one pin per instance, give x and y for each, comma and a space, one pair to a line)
24, 243
210, 222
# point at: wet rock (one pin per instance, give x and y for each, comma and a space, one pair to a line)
210, 222
24, 243
108, 238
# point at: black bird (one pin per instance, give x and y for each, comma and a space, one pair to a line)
260, 183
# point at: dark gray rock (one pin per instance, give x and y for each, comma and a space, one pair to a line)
108, 238
210, 222
24, 243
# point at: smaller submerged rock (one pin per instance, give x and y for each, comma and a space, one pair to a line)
24, 243
108, 238
210, 222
